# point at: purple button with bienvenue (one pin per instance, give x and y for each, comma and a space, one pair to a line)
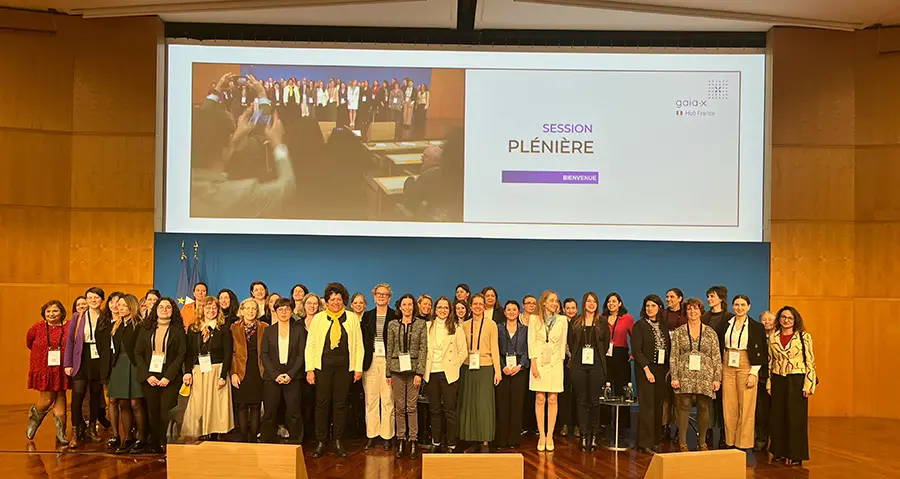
552, 177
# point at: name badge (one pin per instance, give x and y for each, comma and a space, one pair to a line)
343, 101
205, 364
379, 349
609, 351
310, 101
660, 356
546, 356
694, 363
511, 361
734, 359
112, 345
95, 353
405, 363
156, 363
364, 99
474, 361
53, 358
587, 355
395, 100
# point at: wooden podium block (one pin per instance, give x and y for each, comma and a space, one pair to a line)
720, 464
382, 131
455, 466
224, 460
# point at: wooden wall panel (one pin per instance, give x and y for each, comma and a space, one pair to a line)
873, 344
877, 170
77, 289
877, 95
35, 169
114, 86
812, 259
39, 95
20, 307
34, 245
810, 183
448, 94
113, 171
831, 323
111, 247
813, 87
877, 249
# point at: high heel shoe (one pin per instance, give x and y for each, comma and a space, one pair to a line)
550, 446
541, 444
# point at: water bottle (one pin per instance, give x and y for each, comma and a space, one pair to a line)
607, 391
628, 393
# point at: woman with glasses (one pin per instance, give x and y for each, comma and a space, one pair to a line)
247, 369
379, 395
210, 346
281, 351
792, 380
446, 354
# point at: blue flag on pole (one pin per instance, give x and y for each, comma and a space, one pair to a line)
184, 290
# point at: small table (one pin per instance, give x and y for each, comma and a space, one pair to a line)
617, 403
400, 160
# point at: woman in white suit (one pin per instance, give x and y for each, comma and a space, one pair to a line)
446, 354
334, 358
547, 336
353, 102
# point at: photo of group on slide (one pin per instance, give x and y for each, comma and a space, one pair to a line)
323, 143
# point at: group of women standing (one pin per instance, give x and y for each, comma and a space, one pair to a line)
256, 366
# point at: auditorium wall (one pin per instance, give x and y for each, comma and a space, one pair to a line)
77, 136
835, 228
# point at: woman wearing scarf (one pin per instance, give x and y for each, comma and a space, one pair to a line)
247, 369
334, 357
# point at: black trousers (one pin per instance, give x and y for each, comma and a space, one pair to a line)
788, 424
763, 413
588, 386
442, 405
308, 413
508, 397
620, 370
332, 388
274, 395
566, 402
650, 398
80, 388
160, 402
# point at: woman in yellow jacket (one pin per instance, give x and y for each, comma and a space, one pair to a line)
334, 358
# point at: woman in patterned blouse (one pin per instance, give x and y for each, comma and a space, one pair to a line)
792, 380
696, 367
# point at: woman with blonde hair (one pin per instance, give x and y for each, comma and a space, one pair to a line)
207, 367
547, 336
124, 390
477, 416
247, 369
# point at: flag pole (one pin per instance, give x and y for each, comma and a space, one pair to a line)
196, 247
183, 257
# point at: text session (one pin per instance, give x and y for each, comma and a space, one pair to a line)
496, 144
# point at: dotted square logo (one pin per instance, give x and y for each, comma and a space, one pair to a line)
718, 90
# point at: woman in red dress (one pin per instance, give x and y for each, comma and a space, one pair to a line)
45, 374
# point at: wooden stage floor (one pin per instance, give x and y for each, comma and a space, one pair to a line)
840, 448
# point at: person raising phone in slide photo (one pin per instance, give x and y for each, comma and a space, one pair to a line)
215, 138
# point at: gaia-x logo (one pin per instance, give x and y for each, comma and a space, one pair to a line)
718, 90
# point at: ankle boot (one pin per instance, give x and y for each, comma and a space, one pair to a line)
35, 418
401, 449
91, 433
319, 451
60, 423
585, 443
339, 449
77, 436
413, 450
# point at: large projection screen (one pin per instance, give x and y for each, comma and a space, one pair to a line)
505, 144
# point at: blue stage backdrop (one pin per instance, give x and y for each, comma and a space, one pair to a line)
323, 73
436, 265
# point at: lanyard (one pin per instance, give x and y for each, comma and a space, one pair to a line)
699, 338
50, 344
590, 336
510, 344
741, 335
472, 332
165, 340
612, 334
404, 348
87, 315
548, 326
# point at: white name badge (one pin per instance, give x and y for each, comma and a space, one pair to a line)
511, 361
205, 364
660, 356
53, 358
694, 363
587, 355
734, 359
310, 101
343, 101
546, 355
609, 351
405, 363
95, 353
474, 360
379, 349
395, 100
156, 363
112, 345
364, 99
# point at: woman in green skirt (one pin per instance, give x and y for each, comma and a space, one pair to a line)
124, 388
480, 374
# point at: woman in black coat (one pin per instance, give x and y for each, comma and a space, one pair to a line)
282, 355
650, 346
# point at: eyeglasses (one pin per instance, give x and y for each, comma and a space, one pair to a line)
788, 318
383, 295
